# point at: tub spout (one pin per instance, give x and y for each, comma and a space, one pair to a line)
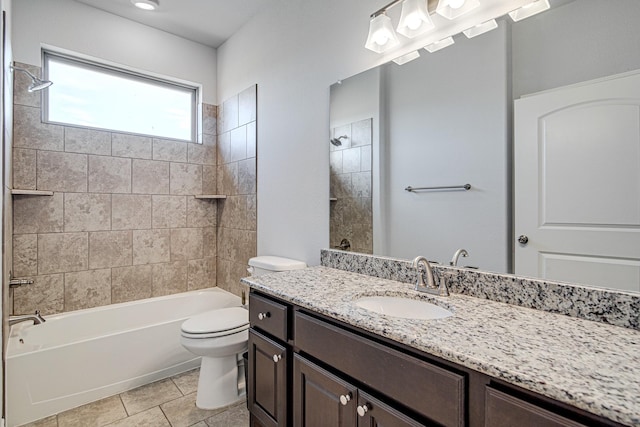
36, 318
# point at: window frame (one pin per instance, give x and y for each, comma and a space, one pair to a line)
120, 71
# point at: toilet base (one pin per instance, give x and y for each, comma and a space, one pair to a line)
218, 382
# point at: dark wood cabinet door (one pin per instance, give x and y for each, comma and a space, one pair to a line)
503, 410
374, 413
267, 380
320, 398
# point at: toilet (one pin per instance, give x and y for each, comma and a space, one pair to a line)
220, 336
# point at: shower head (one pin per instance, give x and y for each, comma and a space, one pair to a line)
337, 142
36, 83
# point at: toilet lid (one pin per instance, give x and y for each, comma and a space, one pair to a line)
220, 320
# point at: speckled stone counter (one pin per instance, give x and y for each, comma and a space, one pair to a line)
589, 365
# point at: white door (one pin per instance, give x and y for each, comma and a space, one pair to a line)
577, 183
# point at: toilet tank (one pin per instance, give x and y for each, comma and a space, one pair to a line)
271, 264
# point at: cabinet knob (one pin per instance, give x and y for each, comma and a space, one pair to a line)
277, 358
363, 409
345, 398
265, 315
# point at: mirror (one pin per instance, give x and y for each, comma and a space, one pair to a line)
446, 119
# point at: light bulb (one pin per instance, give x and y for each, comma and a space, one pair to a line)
456, 4
380, 38
413, 22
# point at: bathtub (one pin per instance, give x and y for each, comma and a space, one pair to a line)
82, 356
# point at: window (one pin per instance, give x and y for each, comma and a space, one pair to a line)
97, 96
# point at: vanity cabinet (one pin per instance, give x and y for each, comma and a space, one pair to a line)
269, 361
322, 399
308, 370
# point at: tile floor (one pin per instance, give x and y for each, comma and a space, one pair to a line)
165, 403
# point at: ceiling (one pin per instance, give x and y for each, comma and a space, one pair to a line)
209, 22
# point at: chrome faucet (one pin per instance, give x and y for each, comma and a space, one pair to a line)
454, 260
421, 264
36, 317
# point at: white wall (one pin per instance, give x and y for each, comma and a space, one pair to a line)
294, 52
75, 26
582, 40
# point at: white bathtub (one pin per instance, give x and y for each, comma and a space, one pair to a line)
82, 356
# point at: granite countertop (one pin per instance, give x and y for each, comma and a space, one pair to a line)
589, 365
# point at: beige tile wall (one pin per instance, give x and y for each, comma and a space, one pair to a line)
122, 224
350, 166
236, 177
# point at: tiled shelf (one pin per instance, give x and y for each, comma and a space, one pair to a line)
210, 196
32, 192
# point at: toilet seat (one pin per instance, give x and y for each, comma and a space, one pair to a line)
216, 323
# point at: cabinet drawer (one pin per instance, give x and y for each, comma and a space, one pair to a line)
428, 389
503, 410
268, 316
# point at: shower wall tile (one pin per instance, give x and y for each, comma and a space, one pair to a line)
186, 179
223, 148
62, 252
109, 175
87, 141
30, 132
151, 246
238, 144
45, 294
202, 154
252, 136
209, 119
186, 244
201, 273
61, 171
126, 145
209, 180
169, 278
169, 211
170, 151
229, 114
25, 255
130, 212
247, 176
351, 160
365, 158
252, 212
150, 177
130, 283
24, 169
361, 133
36, 214
110, 249
227, 178
201, 212
209, 243
87, 212
209, 139
87, 289
247, 106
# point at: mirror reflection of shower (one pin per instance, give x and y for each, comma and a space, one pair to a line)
337, 141
36, 83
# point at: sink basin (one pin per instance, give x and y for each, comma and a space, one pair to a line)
403, 307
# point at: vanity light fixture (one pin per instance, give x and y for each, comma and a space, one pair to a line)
451, 9
476, 30
530, 9
440, 44
401, 60
146, 4
414, 18
381, 35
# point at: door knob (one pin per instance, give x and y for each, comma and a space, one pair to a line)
345, 398
523, 239
363, 409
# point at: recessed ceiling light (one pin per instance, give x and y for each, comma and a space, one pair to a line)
146, 4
